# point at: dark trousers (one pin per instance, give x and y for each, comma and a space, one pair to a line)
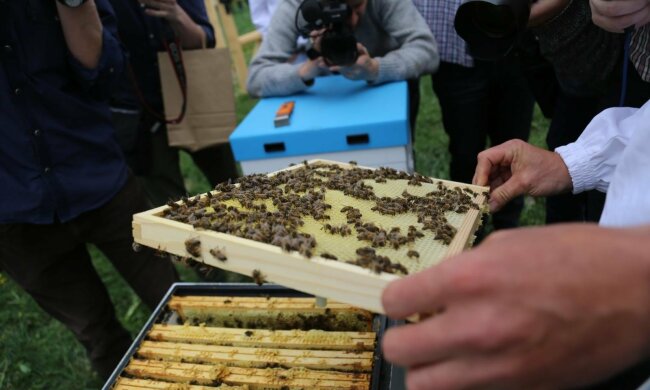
52, 264
144, 143
490, 100
571, 116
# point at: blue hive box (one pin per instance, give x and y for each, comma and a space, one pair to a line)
336, 119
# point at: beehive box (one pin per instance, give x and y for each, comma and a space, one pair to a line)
330, 229
215, 336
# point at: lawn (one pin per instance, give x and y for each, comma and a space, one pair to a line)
39, 353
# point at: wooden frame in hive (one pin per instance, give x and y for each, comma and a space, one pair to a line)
320, 276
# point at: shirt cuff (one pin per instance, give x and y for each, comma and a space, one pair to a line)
581, 166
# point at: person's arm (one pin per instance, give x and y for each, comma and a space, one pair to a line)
270, 73
617, 15
188, 18
515, 167
539, 308
95, 55
417, 53
83, 32
593, 158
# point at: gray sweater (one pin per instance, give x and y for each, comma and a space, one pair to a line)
393, 31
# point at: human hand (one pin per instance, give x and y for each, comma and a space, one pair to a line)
515, 168
365, 68
166, 9
617, 15
537, 308
310, 69
542, 11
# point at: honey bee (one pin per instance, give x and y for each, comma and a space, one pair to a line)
193, 247
258, 277
413, 254
249, 333
218, 254
328, 256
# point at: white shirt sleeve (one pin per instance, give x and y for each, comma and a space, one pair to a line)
593, 158
261, 12
613, 156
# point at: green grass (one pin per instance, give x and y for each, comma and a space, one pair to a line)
37, 352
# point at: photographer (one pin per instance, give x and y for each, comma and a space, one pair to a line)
394, 43
64, 180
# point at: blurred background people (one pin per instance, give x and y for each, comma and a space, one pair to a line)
137, 104
65, 182
479, 100
394, 43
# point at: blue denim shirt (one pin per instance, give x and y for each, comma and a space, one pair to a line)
142, 36
58, 153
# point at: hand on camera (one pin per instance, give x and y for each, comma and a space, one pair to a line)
365, 68
536, 308
544, 10
515, 168
617, 15
166, 9
312, 68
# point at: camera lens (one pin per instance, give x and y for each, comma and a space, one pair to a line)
495, 21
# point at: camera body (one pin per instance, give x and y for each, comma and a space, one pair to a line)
338, 45
491, 28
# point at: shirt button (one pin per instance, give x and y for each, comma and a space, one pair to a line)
37, 132
8, 48
46, 170
151, 36
111, 70
17, 91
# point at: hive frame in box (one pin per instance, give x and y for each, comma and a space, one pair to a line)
336, 280
382, 371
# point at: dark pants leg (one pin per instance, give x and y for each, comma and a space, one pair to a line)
217, 163
52, 264
155, 164
489, 100
571, 116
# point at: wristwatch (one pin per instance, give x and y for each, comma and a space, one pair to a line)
72, 3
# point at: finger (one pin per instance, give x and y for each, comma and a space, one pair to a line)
466, 372
428, 342
423, 292
619, 24
156, 13
488, 161
618, 8
501, 195
361, 49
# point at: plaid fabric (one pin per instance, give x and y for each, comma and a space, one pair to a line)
640, 51
439, 15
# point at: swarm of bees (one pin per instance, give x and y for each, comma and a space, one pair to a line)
300, 192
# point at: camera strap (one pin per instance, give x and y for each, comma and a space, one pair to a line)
172, 45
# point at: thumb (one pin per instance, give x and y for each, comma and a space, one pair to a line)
501, 195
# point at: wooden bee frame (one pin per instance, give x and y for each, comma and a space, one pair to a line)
337, 280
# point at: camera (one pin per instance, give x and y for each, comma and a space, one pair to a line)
338, 45
492, 28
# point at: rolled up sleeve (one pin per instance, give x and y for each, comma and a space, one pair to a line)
111, 61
